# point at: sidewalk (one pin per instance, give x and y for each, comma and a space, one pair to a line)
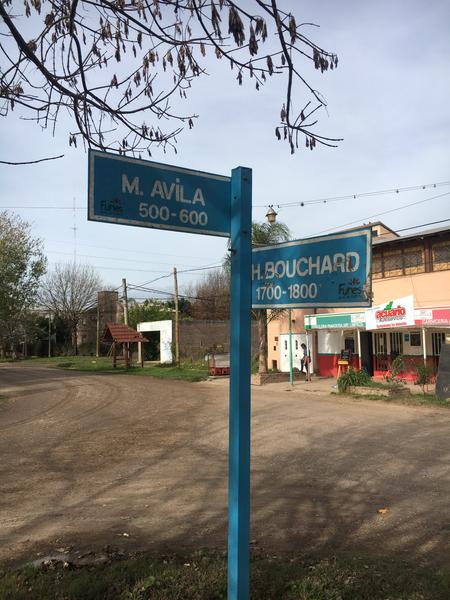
328, 385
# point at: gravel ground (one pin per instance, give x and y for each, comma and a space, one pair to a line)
91, 460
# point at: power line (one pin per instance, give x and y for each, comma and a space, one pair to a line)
171, 294
126, 250
132, 260
205, 268
415, 227
47, 207
337, 227
360, 195
115, 268
200, 269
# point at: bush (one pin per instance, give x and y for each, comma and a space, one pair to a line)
424, 375
398, 367
353, 377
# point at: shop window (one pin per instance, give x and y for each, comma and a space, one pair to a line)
349, 344
393, 263
413, 261
441, 256
396, 340
437, 339
377, 267
380, 343
381, 361
414, 339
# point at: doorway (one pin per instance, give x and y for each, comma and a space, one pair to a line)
297, 352
437, 339
366, 351
152, 350
396, 339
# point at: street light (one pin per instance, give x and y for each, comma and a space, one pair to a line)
271, 215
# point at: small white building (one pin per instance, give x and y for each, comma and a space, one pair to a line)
164, 331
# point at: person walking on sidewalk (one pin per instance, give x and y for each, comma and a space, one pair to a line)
305, 362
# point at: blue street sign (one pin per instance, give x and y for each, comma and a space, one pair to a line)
332, 270
130, 191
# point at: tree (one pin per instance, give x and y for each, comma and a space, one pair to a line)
68, 292
210, 296
118, 68
22, 264
266, 234
149, 310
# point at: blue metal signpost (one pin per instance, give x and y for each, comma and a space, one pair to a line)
332, 270
134, 192
129, 191
239, 417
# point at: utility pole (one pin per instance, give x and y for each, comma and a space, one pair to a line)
49, 335
97, 341
177, 319
125, 301
291, 365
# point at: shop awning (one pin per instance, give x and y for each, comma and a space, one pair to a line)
336, 321
423, 317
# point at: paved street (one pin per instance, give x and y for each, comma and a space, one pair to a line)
87, 458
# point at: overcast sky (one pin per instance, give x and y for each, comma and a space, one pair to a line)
388, 99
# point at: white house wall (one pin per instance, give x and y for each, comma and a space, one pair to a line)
165, 330
330, 342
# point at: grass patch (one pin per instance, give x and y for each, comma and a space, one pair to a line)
203, 577
189, 371
411, 400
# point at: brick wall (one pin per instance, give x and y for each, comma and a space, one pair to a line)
197, 338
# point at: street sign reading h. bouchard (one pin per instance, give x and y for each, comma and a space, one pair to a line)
328, 271
131, 191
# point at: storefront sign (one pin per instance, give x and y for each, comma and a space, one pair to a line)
332, 270
395, 313
432, 316
336, 321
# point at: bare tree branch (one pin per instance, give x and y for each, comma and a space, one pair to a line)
122, 70
30, 162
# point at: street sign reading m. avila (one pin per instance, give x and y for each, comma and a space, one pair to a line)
131, 191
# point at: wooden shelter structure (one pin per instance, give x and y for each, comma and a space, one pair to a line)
118, 333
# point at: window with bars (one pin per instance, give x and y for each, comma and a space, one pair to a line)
393, 263
441, 256
380, 343
377, 267
413, 260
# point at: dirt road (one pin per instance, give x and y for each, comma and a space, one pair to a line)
87, 458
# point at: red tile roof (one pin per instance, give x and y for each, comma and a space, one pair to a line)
118, 332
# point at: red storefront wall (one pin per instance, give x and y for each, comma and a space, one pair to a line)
328, 364
382, 367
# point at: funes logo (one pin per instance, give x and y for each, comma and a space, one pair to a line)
351, 289
388, 313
